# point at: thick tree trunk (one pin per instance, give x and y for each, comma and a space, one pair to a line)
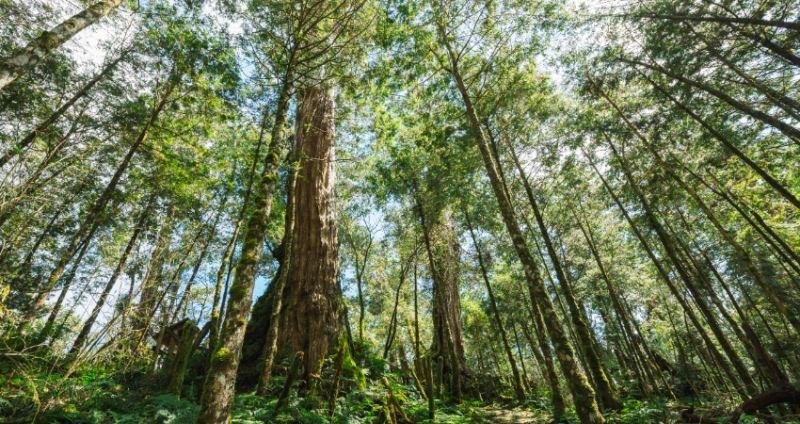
447, 347
23, 60
309, 322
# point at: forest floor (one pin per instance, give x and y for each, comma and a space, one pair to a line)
494, 414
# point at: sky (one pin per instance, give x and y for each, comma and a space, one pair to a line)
90, 48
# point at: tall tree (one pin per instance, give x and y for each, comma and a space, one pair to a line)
24, 59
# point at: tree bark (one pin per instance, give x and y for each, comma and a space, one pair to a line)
585, 402
23, 60
606, 393
671, 251
271, 336
310, 321
447, 347
217, 395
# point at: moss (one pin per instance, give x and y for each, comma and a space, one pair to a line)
223, 355
238, 292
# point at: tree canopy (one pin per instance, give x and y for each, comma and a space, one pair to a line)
394, 211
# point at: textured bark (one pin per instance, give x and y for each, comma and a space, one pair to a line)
582, 392
217, 396
309, 322
23, 60
447, 347
185, 346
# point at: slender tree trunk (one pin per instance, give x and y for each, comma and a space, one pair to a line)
213, 334
605, 391
664, 274
29, 186
99, 205
584, 396
212, 231
271, 337
769, 179
45, 125
721, 20
557, 399
671, 251
47, 330
23, 60
779, 51
153, 275
80, 340
790, 131
392, 332
526, 380
633, 339
737, 248
217, 396
517, 382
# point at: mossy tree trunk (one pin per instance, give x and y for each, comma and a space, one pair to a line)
23, 60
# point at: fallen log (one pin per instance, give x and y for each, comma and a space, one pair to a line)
756, 405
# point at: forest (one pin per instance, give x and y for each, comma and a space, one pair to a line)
399, 211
